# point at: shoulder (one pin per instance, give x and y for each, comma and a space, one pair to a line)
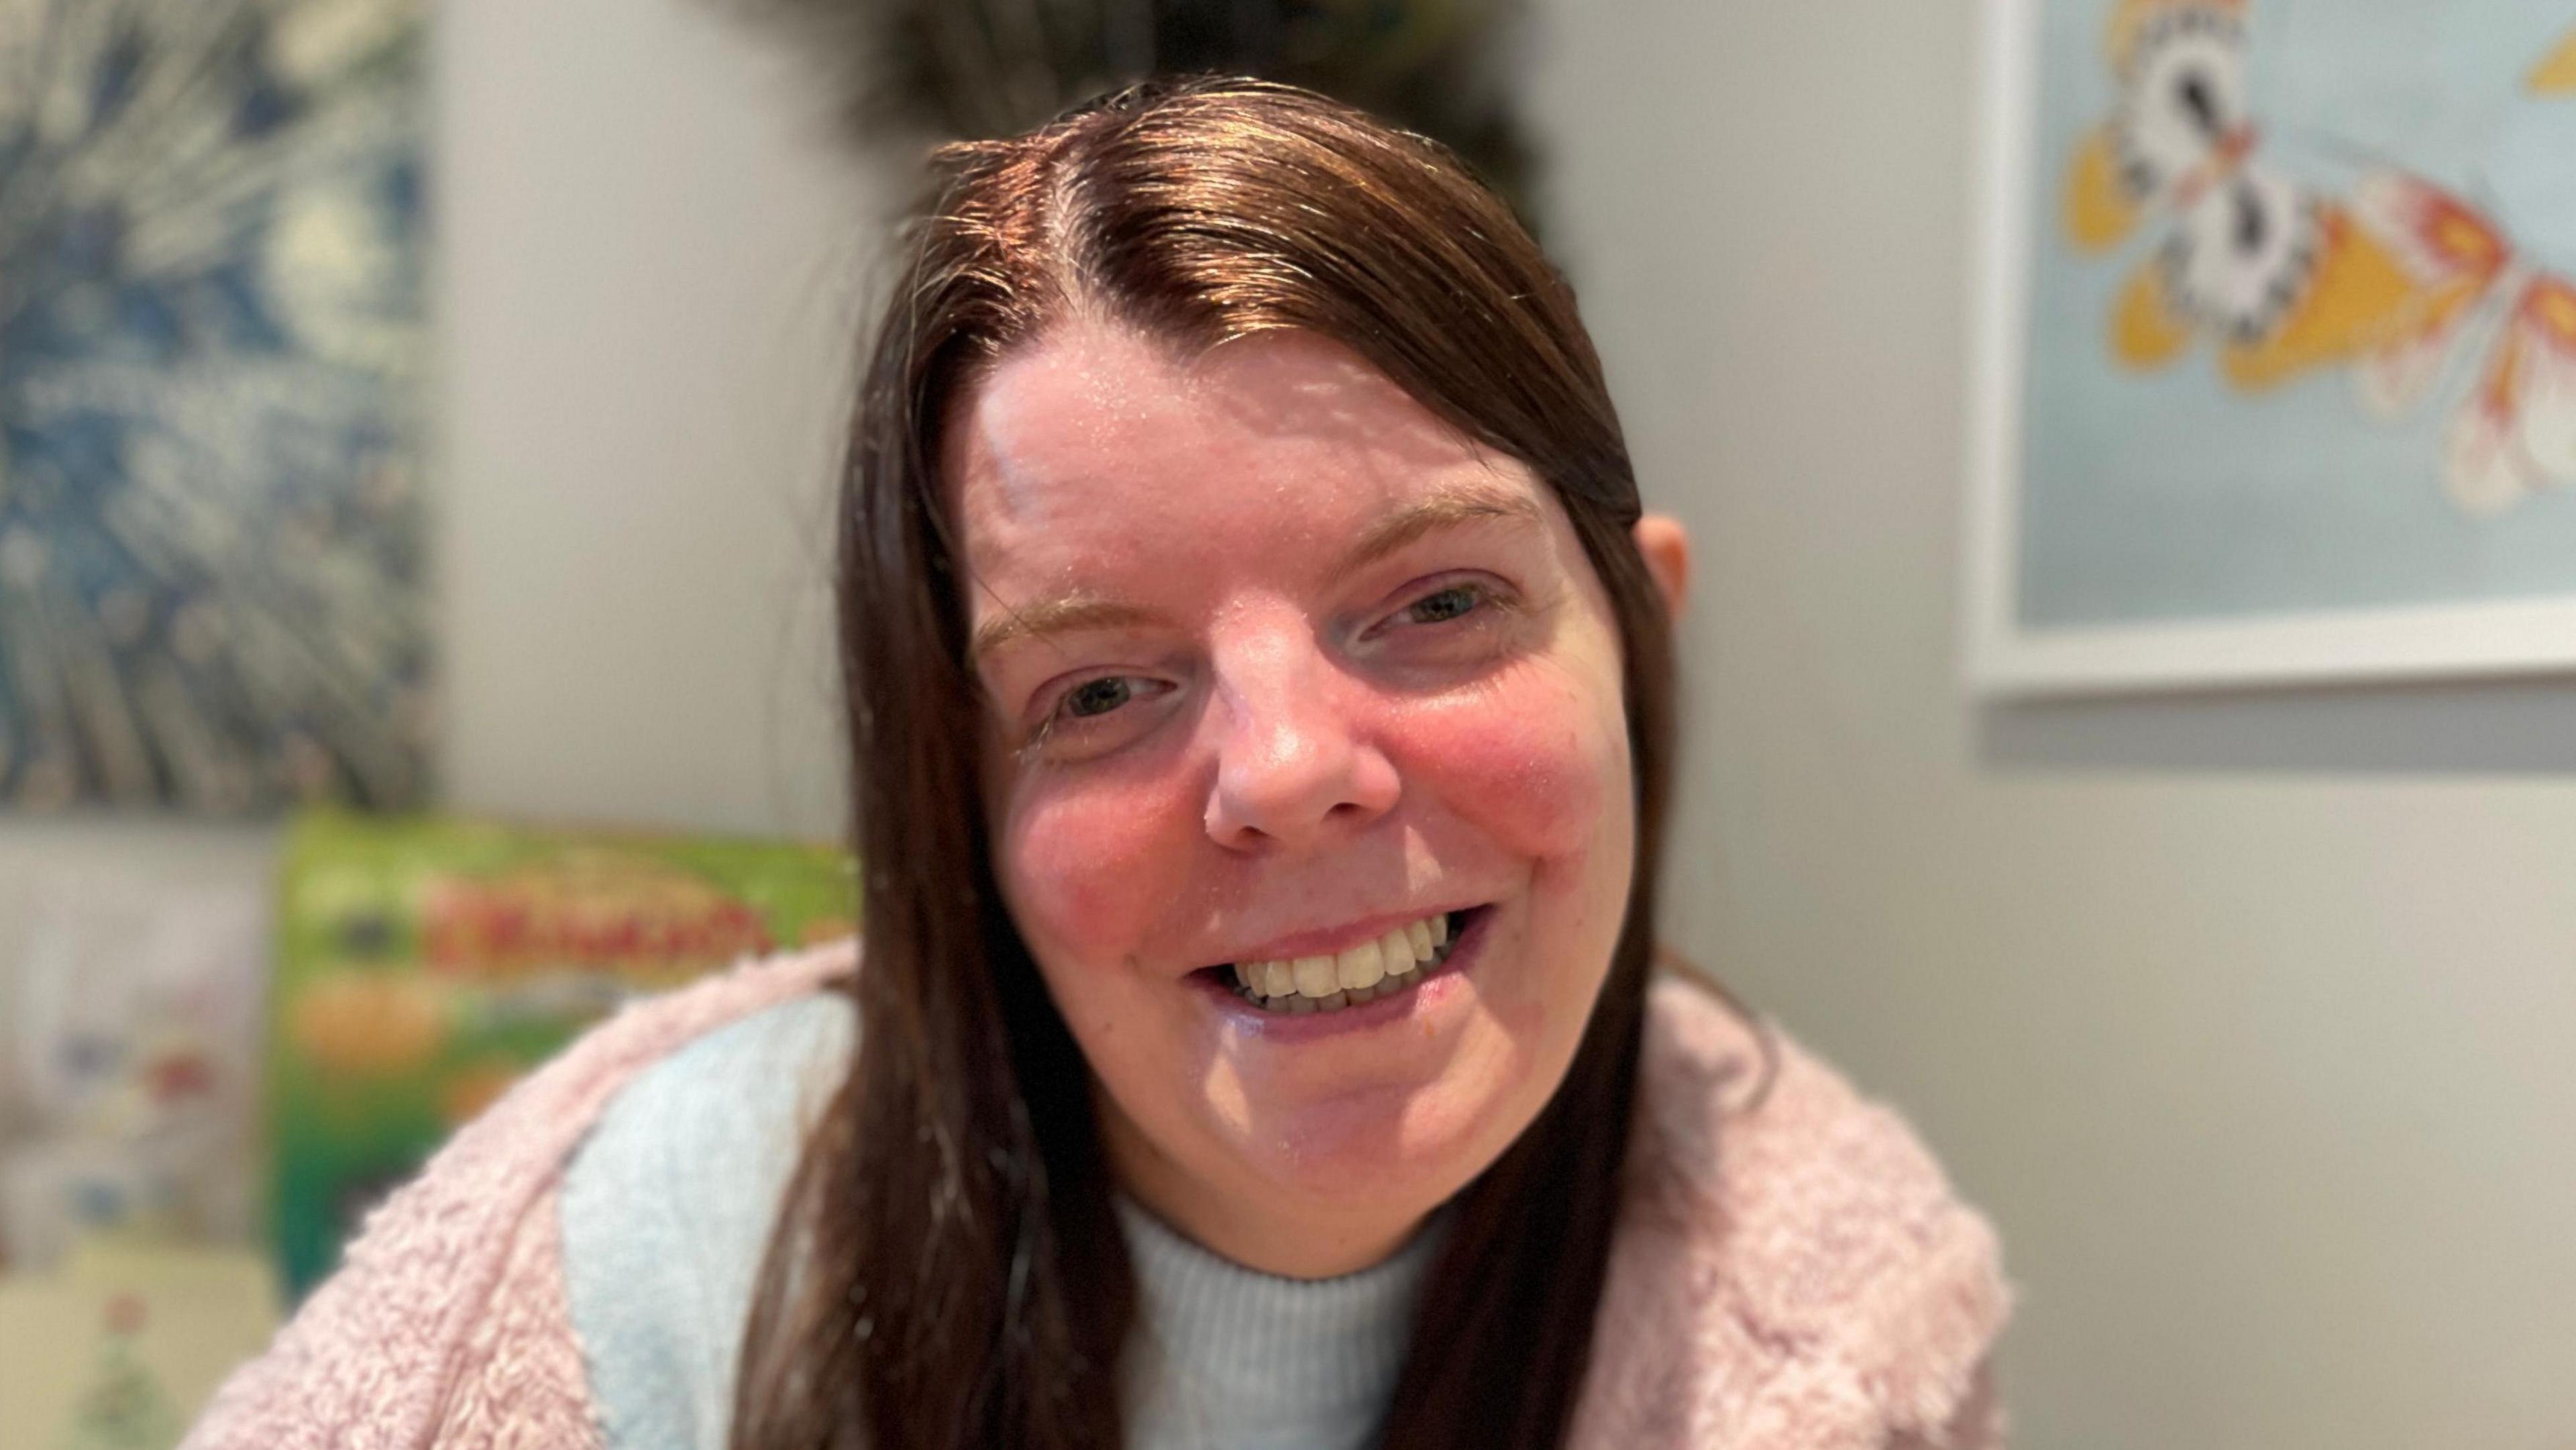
740, 1086
667, 1209
1802, 1148
711, 1130
1791, 1256
448, 1309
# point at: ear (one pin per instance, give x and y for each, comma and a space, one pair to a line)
1661, 538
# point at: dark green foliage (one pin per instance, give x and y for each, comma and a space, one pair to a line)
984, 68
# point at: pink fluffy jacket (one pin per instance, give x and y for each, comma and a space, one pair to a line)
1788, 1275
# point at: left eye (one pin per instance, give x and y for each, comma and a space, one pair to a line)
1446, 604
1475, 606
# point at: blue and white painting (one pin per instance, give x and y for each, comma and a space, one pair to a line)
211, 571
2301, 310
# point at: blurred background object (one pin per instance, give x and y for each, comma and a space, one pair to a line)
982, 68
207, 1099
424, 964
136, 1015
211, 349
221, 415
116, 1351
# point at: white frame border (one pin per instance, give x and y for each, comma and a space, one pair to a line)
2004, 658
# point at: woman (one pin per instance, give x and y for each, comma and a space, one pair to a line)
1262, 727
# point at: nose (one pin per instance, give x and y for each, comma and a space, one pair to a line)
1294, 768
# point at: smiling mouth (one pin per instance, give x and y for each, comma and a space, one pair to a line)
1364, 973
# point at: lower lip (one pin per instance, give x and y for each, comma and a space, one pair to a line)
1287, 1027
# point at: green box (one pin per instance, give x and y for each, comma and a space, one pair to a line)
424, 963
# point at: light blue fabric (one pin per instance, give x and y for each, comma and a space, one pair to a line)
667, 1207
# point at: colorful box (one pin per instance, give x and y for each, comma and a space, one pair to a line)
423, 964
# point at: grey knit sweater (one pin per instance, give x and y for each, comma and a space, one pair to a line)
666, 1208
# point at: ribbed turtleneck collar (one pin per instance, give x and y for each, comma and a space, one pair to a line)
1225, 1355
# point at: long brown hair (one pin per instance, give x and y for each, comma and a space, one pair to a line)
948, 1269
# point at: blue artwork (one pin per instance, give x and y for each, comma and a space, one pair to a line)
211, 571
2301, 311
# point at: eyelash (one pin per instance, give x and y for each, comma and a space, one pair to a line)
1481, 597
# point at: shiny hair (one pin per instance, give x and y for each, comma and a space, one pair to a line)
947, 1269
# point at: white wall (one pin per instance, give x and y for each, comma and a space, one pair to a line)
2248, 1020
650, 263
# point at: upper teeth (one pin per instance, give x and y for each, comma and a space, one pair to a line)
1360, 970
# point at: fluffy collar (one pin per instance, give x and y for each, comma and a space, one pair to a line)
1791, 1268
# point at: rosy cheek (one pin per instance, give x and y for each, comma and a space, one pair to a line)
1531, 766
1090, 867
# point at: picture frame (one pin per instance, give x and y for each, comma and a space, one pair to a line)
2443, 576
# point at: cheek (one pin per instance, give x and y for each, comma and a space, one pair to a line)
1538, 764
1089, 866
1540, 774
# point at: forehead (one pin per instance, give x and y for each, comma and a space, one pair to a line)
1097, 446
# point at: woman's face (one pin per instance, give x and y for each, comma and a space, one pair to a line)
1280, 668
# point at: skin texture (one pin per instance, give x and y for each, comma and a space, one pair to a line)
1212, 731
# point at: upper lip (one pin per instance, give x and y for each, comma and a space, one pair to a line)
1331, 940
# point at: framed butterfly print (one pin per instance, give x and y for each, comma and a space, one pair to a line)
2275, 353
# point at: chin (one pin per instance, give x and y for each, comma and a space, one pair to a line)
1417, 1147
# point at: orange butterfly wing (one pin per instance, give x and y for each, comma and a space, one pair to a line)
2556, 73
2516, 432
2453, 256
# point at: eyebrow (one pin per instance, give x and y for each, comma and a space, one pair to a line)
1075, 613
1447, 509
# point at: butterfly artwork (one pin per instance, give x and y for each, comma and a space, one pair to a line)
2288, 277
212, 584
2514, 432
2555, 75
2277, 363
2275, 273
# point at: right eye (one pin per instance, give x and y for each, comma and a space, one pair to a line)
1094, 698
1095, 717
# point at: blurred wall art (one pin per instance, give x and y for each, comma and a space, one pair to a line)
2277, 361
211, 571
